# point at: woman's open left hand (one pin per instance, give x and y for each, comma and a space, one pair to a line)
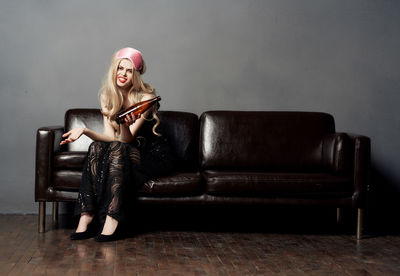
72, 135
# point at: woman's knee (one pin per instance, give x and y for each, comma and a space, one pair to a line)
117, 149
116, 145
95, 146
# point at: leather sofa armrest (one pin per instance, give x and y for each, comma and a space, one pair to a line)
47, 143
361, 146
337, 153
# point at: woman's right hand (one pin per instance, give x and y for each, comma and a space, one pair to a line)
72, 135
131, 119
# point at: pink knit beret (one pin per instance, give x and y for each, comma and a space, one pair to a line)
133, 55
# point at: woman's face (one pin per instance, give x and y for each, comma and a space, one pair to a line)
125, 74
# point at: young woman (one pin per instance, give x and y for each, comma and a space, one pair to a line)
124, 156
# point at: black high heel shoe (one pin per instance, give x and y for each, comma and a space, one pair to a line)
89, 233
113, 237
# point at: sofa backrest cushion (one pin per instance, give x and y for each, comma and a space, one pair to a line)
181, 129
263, 140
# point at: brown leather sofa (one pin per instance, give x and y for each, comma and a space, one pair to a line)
226, 157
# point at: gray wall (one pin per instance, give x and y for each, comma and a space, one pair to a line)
338, 56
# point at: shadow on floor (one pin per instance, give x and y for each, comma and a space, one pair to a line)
292, 220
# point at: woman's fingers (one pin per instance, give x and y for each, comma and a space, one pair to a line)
67, 140
64, 142
130, 119
66, 134
71, 136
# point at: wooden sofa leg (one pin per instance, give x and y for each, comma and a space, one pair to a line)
360, 214
55, 213
338, 215
42, 216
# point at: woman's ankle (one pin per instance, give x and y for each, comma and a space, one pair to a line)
84, 221
110, 226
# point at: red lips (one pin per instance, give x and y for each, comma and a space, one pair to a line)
122, 79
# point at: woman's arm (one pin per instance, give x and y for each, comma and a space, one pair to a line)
128, 129
75, 133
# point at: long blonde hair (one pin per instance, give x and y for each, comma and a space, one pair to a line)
111, 98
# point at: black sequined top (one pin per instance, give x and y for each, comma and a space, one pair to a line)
156, 156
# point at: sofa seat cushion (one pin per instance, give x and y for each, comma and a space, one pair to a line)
239, 183
178, 184
69, 159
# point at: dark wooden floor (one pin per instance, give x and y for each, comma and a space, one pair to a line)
23, 251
